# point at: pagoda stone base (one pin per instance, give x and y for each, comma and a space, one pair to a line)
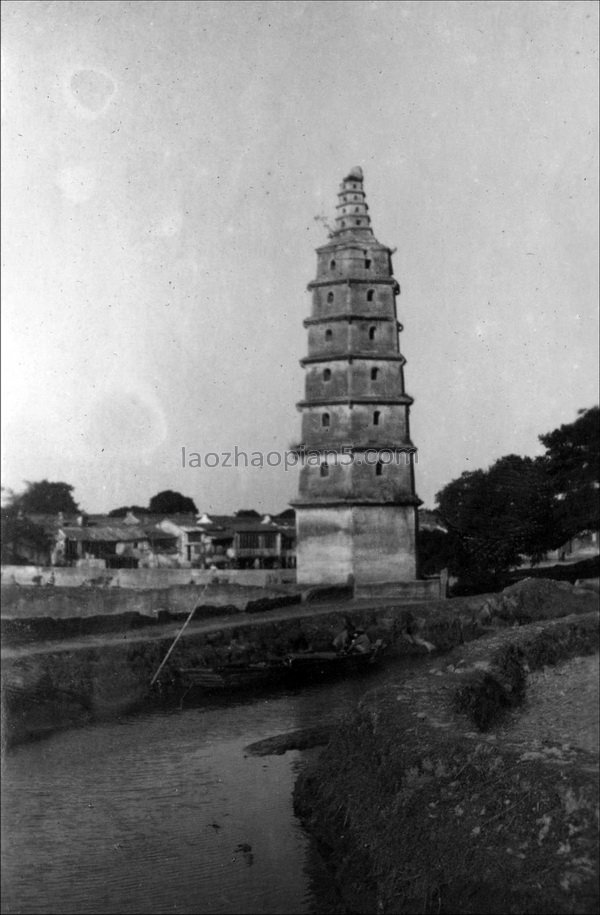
360, 544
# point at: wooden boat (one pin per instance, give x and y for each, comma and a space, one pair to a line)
293, 668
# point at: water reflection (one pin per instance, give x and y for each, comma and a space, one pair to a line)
165, 812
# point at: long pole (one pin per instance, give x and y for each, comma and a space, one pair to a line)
178, 636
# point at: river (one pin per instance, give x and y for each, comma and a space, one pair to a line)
165, 811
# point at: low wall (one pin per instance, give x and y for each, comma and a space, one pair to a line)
69, 603
142, 579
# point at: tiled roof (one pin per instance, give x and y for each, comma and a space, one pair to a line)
106, 533
217, 532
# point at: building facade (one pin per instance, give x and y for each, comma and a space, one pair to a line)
356, 511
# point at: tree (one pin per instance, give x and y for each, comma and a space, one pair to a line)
22, 540
171, 503
496, 516
572, 464
45, 498
124, 509
287, 516
247, 513
436, 550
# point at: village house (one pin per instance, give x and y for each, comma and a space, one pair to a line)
114, 542
239, 541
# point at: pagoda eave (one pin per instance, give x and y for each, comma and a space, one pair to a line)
351, 502
353, 242
350, 357
404, 400
355, 281
349, 317
346, 448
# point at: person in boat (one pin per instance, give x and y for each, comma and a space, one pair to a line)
343, 639
361, 643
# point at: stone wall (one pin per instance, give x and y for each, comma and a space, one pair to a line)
81, 603
142, 579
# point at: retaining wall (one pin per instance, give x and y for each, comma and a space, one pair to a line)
82, 603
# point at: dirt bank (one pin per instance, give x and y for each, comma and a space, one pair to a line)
425, 799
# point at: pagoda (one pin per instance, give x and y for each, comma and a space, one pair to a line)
356, 511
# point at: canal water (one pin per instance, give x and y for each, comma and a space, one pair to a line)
166, 812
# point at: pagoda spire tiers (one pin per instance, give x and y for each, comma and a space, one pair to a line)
356, 506
352, 211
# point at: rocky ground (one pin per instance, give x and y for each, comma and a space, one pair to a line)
561, 710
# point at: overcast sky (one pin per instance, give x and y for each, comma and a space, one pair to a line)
163, 165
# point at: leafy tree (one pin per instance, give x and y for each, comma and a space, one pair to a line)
45, 497
247, 513
436, 550
288, 516
20, 537
497, 515
171, 503
122, 511
572, 462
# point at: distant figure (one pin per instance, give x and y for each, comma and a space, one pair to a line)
361, 642
343, 639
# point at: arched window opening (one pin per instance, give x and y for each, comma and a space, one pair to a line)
358, 222
326, 374
332, 265
324, 469
343, 223
356, 210
378, 469
325, 420
372, 333
330, 296
374, 374
370, 295
367, 264
376, 416
328, 334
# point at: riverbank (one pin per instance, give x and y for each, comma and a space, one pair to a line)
430, 798
50, 680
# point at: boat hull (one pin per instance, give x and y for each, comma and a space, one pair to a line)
294, 669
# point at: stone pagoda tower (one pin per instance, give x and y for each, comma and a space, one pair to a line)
356, 512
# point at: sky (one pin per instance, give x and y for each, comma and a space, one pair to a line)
166, 170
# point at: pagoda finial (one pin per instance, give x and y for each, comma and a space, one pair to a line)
356, 173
